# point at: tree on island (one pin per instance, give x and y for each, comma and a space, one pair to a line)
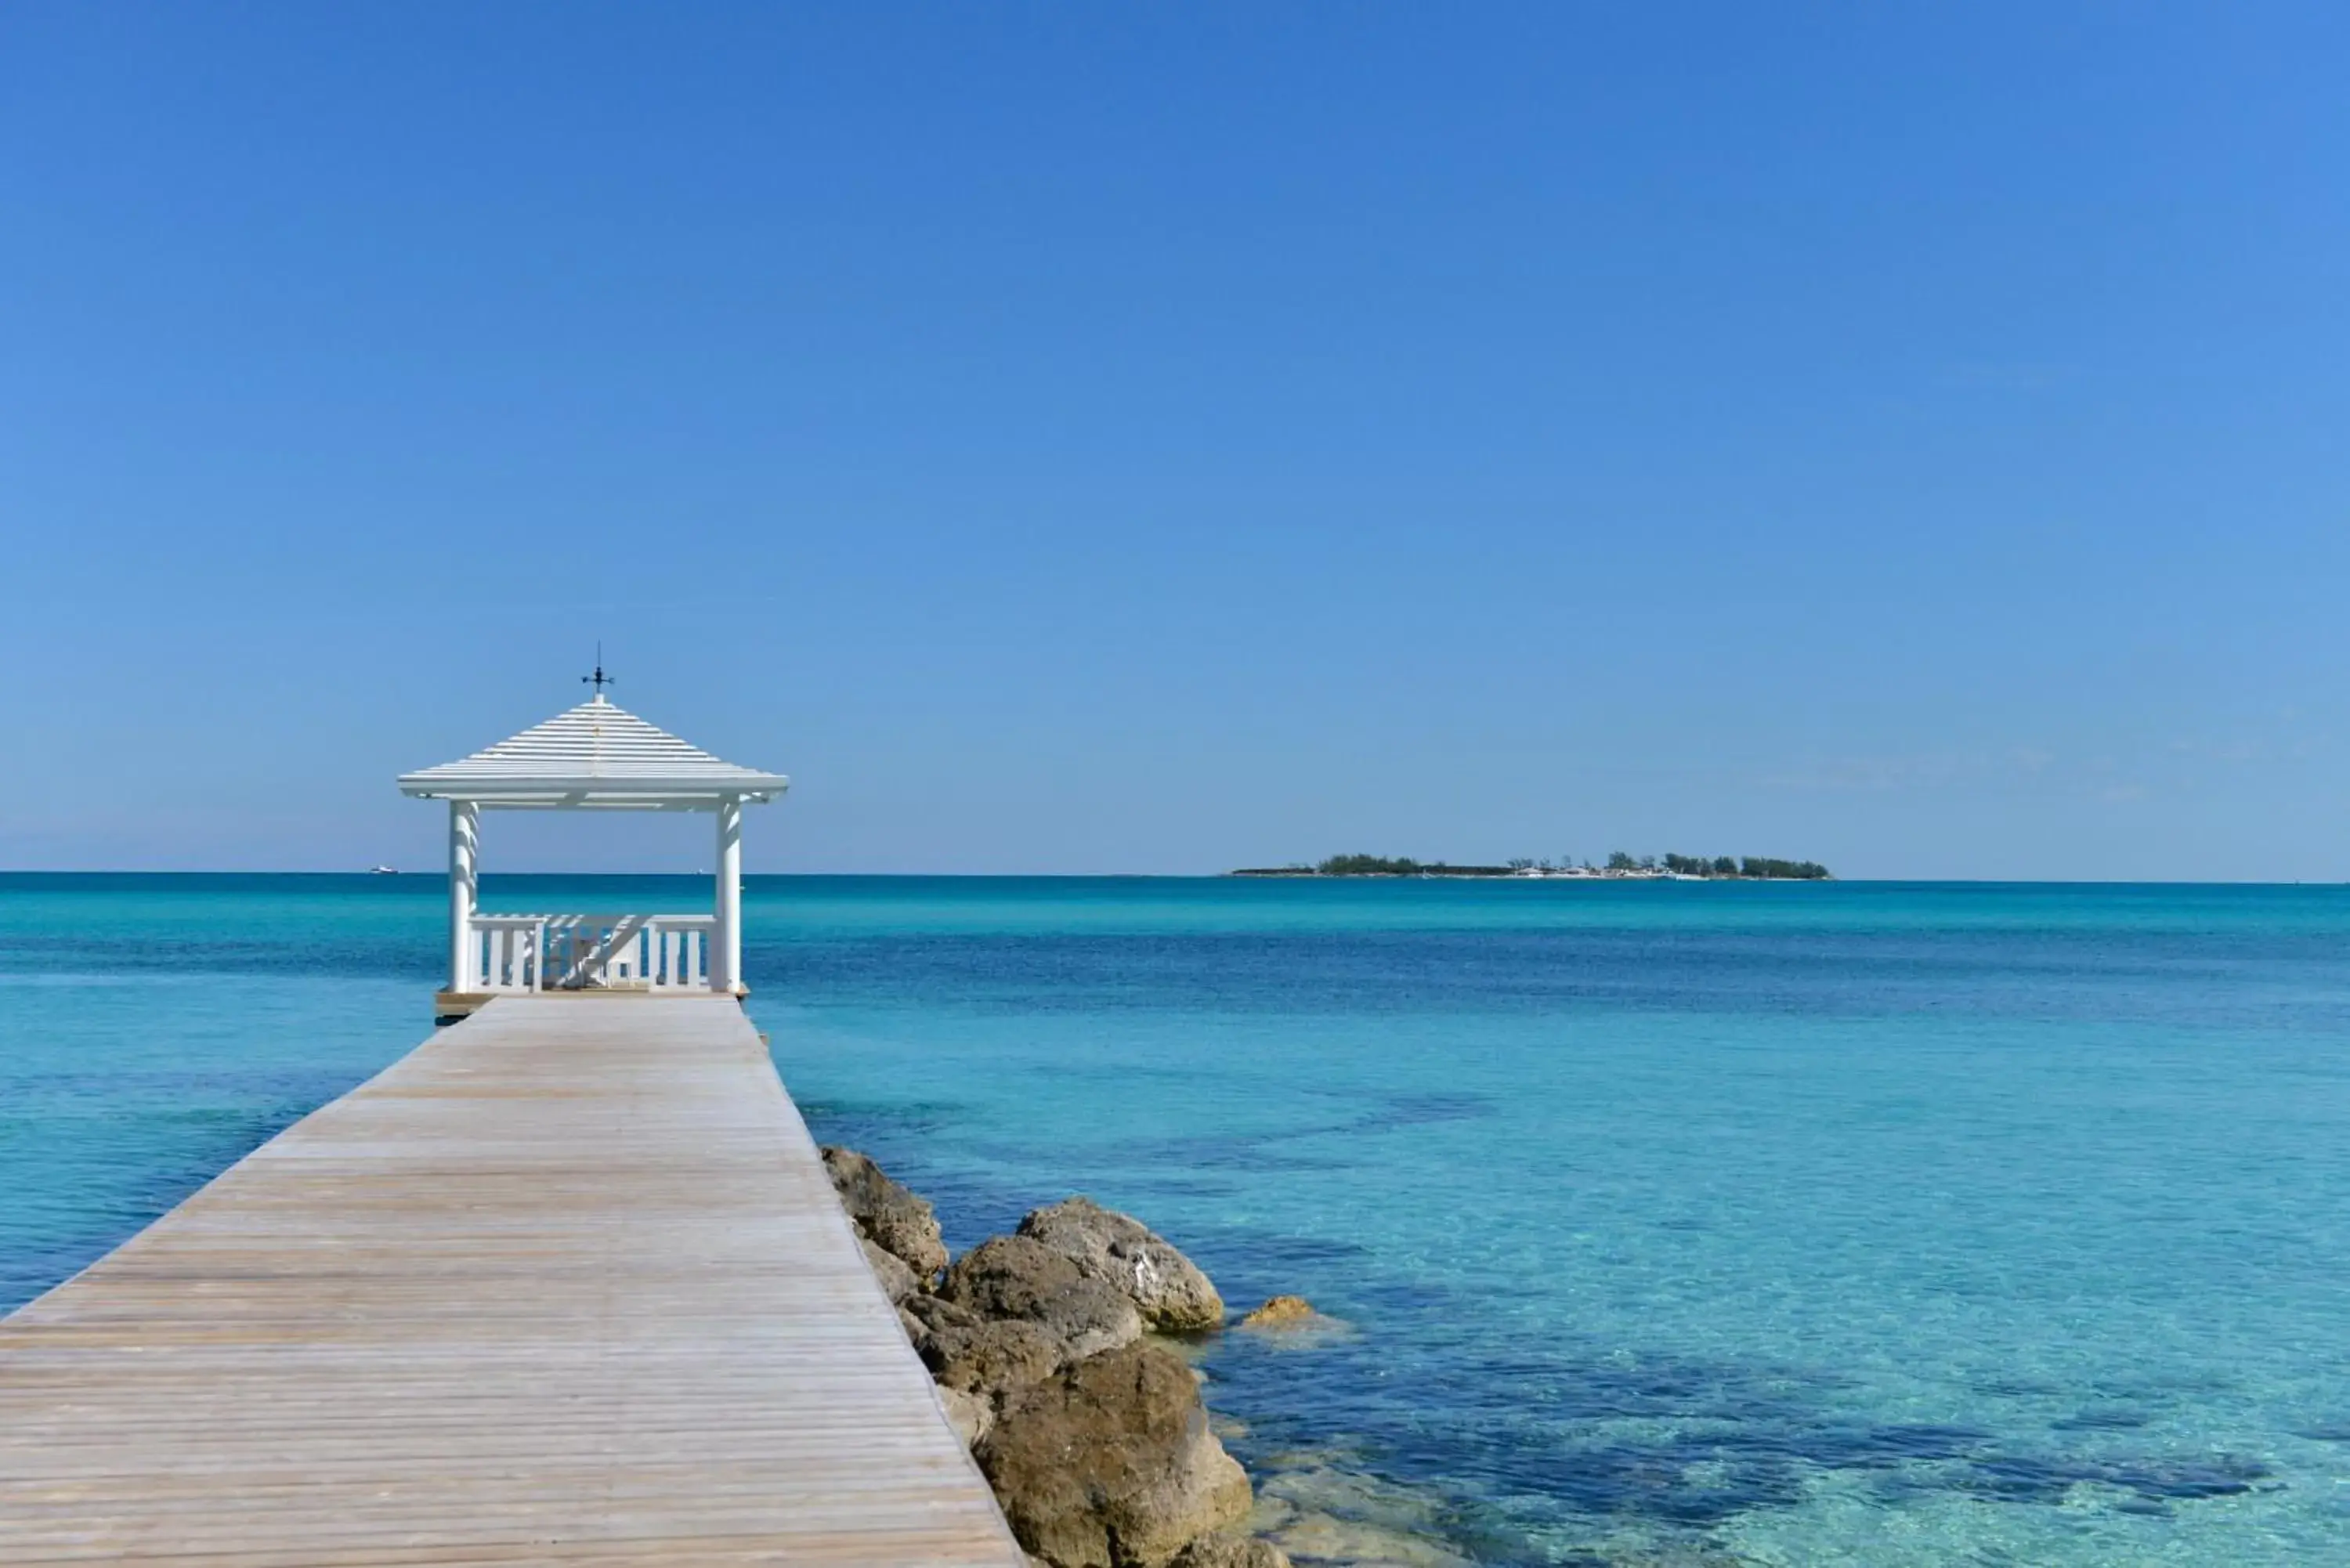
1381, 865
1783, 870
1753, 867
1370, 866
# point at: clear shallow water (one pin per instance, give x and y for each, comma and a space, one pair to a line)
1847, 1224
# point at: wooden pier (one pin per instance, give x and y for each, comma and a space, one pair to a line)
568, 1285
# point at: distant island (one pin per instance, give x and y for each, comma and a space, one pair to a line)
1619, 866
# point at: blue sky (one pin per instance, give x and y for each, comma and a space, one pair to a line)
1159, 439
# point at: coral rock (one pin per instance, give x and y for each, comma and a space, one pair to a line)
1227, 1550
886, 1213
1283, 1312
970, 1415
993, 1357
1121, 1251
979, 1356
1110, 1464
1014, 1277
896, 1279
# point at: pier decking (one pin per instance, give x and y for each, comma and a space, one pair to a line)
568, 1285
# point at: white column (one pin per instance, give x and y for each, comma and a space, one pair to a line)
726, 952
464, 849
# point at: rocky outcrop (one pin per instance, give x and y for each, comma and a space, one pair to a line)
1014, 1277
1120, 1252
886, 1214
970, 1415
897, 1281
1093, 1438
1110, 1464
986, 1357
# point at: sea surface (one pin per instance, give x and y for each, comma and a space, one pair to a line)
1668, 1223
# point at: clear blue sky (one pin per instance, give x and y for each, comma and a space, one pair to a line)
1164, 437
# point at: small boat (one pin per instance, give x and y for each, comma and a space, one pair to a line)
381, 871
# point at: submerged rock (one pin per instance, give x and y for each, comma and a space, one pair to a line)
1322, 1537
1292, 1324
1228, 1549
1282, 1311
1110, 1463
1015, 1277
1327, 1511
1120, 1251
887, 1214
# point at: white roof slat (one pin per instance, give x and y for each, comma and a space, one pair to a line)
596, 754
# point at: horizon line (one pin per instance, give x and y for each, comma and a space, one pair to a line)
440, 875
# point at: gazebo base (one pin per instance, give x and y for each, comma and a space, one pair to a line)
451, 1006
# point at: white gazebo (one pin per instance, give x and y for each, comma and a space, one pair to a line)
597, 757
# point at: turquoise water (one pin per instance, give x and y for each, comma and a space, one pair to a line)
1674, 1223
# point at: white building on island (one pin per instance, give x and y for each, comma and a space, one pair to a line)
596, 757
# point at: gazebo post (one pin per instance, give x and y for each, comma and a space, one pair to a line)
726, 958
464, 849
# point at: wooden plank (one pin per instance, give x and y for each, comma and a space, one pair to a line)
567, 1286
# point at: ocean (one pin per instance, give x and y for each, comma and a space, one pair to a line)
1669, 1223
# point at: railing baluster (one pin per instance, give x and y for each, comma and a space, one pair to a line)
528, 953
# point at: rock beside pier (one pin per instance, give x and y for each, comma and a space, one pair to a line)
897, 1281
1172, 1294
886, 1214
988, 1358
1013, 1277
970, 1415
1110, 1463
1093, 1436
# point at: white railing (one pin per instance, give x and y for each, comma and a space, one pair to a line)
506, 953
521, 953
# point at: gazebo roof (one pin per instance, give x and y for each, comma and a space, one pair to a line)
597, 754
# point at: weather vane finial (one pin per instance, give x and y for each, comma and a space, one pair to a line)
599, 680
